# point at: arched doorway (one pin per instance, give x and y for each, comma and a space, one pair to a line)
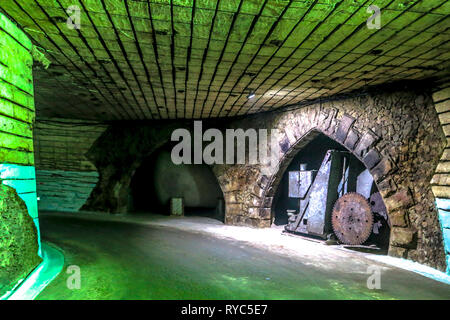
158, 179
307, 158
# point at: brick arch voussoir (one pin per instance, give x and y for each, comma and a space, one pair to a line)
360, 142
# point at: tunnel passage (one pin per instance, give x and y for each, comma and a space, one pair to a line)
359, 180
158, 180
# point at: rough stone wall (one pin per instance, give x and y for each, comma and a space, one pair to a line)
18, 245
19, 223
441, 180
395, 134
65, 177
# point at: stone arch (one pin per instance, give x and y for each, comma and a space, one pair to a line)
118, 153
196, 183
361, 146
297, 129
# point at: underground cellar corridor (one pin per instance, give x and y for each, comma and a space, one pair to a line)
224, 150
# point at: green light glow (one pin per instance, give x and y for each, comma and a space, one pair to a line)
41, 277
16, 156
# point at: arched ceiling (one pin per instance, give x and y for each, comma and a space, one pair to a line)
161, 59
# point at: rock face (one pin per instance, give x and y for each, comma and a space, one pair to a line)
18, 239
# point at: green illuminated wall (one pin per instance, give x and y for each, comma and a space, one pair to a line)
16, 157
441, 180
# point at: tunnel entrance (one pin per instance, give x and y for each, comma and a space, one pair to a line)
329, 167
158, 180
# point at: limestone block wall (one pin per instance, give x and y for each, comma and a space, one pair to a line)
65, 177
19, 224
441, 179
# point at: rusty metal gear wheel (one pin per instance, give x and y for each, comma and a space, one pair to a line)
352, 219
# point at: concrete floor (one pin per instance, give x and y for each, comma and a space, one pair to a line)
156, 257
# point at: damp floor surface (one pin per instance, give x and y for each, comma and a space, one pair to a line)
131, 261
